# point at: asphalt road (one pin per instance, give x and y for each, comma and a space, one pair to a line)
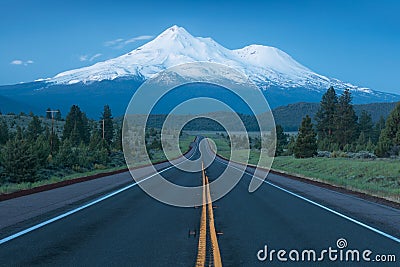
133, 229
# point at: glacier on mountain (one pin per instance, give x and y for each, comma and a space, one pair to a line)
266, 66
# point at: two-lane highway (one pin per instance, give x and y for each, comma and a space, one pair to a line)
133, 229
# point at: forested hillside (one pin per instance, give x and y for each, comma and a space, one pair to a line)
290, 116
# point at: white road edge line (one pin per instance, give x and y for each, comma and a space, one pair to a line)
320, 206
59, 217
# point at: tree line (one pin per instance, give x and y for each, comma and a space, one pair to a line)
338, 128
37, 152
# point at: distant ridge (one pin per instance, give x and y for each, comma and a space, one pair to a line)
290, 116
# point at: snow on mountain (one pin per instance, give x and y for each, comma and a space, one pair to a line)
266, 66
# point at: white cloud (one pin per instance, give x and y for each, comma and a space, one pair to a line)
114, 42
89, 58
139, 38
16, 62
83, 58
21, 62
95, 56
121, 43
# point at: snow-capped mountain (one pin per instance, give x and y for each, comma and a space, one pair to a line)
113, 82
265, 65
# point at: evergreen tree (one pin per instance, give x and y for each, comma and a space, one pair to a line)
291, 145
56, 142
389, 140
325, 117
365, 125
281, 140
306, 143
76, 127
84, 157
19, 160
98, 149
281, 136
57, 116
4, 133
42, 150
118, 139
361, 142
20, 134
34, 128
67, 155
48, 114
346, 121
52, 139
370, 147
107, 121
379, 126
270, 143
325, 144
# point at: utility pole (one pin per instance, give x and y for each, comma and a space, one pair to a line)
52, 129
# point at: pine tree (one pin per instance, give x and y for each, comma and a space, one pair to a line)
389, 140
48, 113
346, 121
281, 140
306, 143
379, 126
384, 146
370, 147
361, 142
67, 155
365, 125
42, 150
118, 139
291, 145
106, 118
19, 159
4, 132
76, 127
34, 128
57, 116
84, 157
56, 142
325, 116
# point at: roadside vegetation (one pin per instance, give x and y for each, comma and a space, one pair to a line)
378, 177
36, 151
40, 150
341, 148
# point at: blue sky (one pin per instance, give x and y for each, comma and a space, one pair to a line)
355, 41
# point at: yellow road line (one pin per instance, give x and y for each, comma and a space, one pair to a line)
201, 249
207, 203
213, 233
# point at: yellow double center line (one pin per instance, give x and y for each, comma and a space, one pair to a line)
201, 255
201, 250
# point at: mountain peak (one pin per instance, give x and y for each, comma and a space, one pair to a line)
173, 32
265, 65
175, 28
